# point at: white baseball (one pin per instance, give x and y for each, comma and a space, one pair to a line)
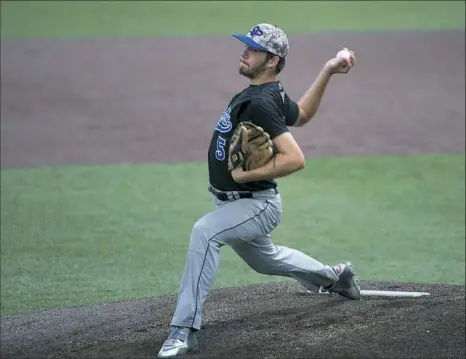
345, 54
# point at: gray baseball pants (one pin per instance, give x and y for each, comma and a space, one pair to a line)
245, 225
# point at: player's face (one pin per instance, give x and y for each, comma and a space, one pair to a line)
252, 62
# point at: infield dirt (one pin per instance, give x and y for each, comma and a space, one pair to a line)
148, 100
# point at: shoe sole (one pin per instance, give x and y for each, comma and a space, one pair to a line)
181, 352
192, 347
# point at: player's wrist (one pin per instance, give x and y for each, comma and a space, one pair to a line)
326, 71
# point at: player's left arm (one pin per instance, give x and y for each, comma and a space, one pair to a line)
288, 158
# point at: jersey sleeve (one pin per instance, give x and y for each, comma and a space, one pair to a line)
291, 111
267, 115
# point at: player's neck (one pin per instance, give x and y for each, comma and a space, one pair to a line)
265, 78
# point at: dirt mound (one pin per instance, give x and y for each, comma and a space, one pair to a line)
278, 320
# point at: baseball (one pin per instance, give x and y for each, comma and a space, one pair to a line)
347, 55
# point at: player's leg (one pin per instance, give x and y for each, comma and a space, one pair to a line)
265, 257
262, 255
245, 218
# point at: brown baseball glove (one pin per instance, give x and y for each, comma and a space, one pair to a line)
250, 147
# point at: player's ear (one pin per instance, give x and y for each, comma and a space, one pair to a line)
273, 61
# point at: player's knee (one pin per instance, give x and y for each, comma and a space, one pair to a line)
200, 232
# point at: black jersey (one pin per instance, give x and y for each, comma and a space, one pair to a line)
265, 105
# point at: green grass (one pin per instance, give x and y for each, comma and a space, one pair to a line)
179, 18
78, 235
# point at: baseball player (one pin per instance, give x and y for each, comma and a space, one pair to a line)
247, 203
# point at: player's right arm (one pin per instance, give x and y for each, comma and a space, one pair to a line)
309, 103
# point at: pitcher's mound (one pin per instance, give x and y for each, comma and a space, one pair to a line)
277, 320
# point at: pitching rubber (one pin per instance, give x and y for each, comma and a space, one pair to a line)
386, 293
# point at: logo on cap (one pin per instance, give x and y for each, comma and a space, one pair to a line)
256, 31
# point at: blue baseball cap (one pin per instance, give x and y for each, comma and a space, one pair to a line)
266, 37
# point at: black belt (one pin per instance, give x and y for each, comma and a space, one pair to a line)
233, 195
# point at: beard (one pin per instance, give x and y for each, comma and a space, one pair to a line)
252, 72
